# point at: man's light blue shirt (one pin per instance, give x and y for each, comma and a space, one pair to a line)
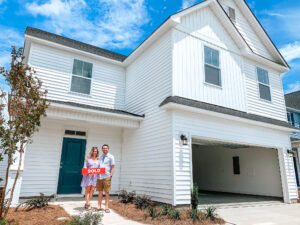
106, 162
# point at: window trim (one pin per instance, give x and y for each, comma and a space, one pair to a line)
268, 85
71, 76
204, 63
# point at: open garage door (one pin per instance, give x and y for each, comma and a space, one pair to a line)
231, 174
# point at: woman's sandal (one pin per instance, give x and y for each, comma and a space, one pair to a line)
88, 207
107, 211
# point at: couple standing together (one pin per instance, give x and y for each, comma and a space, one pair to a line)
102, 182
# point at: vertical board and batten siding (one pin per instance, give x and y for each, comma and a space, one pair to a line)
147, 164
189, 77
274, 109
246, 30
208, 127
54, 67
42, 157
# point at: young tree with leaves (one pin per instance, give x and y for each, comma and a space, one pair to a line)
21, 110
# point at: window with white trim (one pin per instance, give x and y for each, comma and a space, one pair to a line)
81, 77
263, 84
212, 66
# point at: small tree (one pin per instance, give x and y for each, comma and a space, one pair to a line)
21, 109
195, 197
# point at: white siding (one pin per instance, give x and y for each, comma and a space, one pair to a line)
147, 153
247, 30
54, 68
208, 127
276, 108
189, 78
42, 157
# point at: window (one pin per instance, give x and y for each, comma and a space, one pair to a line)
81, 77
231, 14
236, 165
73, 132
212, 66
264, 84
291, 119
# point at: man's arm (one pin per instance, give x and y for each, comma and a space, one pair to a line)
112, 170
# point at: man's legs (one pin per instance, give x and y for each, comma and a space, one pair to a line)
100, 197
106, 199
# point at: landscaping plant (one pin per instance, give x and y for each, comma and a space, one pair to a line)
195, 197
37, 202
126, 197
166, 210
21, 108
142, 202
152, 212
194, 214
88, 218
210, 212
175, 214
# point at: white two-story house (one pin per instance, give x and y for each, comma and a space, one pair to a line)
199, 101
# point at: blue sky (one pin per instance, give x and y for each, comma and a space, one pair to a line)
121, 25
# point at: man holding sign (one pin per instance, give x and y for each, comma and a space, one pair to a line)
106, 161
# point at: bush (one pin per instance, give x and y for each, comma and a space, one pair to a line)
194, 214
175, 214
166, 210
195, 197
210, 212
152, 212
126, 197
142, 202
37, 202
4, 222
86, 219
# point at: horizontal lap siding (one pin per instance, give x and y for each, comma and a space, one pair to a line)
54, 68
204, 126
147, 153
189, 76
42, 157
274, 109
246, 30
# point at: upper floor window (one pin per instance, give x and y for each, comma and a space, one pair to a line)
212, 66
231, 14
264, 84
291, 118
81, 77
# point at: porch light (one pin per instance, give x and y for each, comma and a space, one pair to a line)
290, 152
184, 139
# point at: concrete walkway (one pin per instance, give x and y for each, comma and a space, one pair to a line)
74, 206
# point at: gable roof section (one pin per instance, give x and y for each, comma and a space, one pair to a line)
223, 110
34, 32
292, 100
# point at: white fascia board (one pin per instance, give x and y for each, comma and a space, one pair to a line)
175, 106
84, 110
76, 51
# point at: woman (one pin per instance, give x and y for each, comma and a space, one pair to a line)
89, 181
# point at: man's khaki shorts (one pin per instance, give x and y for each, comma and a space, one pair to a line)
104, 184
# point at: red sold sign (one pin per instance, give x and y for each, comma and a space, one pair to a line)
91, 171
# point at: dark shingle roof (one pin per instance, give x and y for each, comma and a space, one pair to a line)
95, 108
74, 44
220, 109
295, 139
292, 100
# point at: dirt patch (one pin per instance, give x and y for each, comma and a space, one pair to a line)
41, 216
131, 212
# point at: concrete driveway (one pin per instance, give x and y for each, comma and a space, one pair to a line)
277, 214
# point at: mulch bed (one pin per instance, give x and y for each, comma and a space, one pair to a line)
38, 216
129, 211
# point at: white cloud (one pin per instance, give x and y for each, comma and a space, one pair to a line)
187, 3
106, 23
293, 87
291, 51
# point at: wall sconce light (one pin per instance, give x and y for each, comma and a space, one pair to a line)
290, 152
184, 139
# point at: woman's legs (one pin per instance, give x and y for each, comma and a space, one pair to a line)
87, 195
92, 190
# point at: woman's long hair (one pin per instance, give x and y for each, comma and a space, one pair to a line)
91, 152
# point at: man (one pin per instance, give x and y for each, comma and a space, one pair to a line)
107, 161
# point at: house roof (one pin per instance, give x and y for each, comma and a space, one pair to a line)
292, 100
102, 109
74, 44
223, 110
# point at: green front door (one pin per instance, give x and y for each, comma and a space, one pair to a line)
72, 159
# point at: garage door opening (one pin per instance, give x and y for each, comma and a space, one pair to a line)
235, 174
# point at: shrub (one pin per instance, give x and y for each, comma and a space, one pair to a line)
194, 214
166, 210
142, 202
175, 214
37, 202
4, 222
126, 197
152, 212
195, 197
86, 219
210, 212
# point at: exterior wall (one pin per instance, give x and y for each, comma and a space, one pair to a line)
213, 128
196, 30
54, 68
259, 167
274, 109
42, 157
147, 152
246, 30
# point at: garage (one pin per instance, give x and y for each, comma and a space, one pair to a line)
229, 173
